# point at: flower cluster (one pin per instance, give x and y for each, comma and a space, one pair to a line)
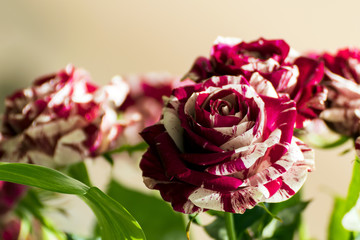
270, 66
226, 141
226, 138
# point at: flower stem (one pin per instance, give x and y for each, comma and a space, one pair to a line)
229, 223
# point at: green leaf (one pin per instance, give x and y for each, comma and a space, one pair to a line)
32, 204
336, 230
194, 217
247, 219
291, 217
41, 177
275, 208
354, 187
158, 220
30, 207
114, 220
109, 158
290, 213
262, 205
217, 229
342, 206
79, 172
322, 142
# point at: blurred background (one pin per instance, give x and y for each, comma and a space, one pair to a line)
121, 37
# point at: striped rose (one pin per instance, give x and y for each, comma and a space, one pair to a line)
61, 119
220, 145
342, 79
267, 63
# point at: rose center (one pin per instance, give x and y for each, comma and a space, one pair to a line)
221, 107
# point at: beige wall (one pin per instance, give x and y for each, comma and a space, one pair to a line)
116, 37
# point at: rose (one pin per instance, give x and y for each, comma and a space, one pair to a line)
342, 78
222, 146
143, 105
61, 119
343, 102
267, 64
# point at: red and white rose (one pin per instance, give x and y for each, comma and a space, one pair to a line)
342, 79
220, 145
61, 119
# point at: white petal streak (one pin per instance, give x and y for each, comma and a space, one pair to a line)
267, 172
262, 86
240, 200
172, 123
251, 154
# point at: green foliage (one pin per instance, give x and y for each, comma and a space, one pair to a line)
354, 187
322, 142
262, 222
217, 229
342, 206
286, 229
336, 230
158, 220
31, 207
114, 220
41, 177
79, 172
251, 219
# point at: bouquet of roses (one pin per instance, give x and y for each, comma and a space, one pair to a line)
232, 138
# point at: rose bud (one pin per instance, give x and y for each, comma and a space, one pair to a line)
220, 145
61, 119
267, 62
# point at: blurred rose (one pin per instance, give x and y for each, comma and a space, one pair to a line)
143, 104
222, 146
10, 230
61, 119
265, 63
10, 194
342, 112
